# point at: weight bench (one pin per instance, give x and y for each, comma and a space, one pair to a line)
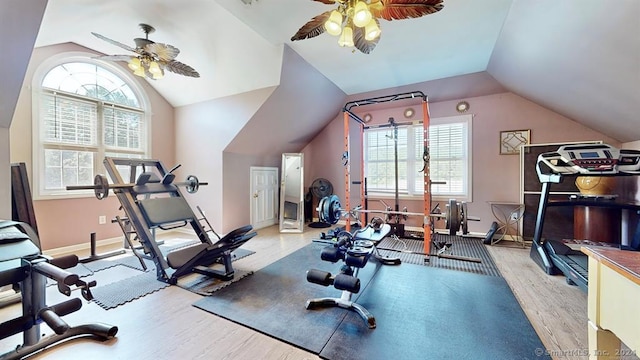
152, 201
354, 250
23, 266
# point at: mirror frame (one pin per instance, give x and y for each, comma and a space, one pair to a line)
292, 177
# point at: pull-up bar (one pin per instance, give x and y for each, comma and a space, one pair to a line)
347, 172
381, 99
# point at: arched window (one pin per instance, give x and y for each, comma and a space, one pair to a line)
85, 112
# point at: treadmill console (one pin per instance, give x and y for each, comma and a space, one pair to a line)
591, 159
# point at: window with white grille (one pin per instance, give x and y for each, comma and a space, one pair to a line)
449, 154
85, 112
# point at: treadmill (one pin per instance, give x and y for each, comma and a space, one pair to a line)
555, 257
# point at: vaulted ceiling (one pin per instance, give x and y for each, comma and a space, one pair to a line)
580, 58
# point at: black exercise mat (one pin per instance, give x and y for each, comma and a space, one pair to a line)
126, 290
461, 246
421, 312
206, 286
430, 313
134, 287
272, 300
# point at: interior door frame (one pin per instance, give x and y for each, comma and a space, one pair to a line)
276, 186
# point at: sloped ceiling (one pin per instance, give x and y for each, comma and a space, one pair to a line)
19, 23
296, 110
580, 58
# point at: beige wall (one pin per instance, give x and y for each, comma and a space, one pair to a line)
5, 177
236, 178
70, 221
495, 176
202, 131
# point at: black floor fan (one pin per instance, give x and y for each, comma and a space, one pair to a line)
320, 188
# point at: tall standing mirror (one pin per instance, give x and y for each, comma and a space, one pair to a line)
291, 193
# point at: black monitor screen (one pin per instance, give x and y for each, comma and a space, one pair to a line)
589, 155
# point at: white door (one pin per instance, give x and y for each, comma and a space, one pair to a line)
264, 196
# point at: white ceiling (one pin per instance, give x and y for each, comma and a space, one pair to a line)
233, 57
576, 57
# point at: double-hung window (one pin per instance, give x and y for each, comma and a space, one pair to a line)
84, 113
391, 153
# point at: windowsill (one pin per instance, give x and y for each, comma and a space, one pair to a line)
70, 195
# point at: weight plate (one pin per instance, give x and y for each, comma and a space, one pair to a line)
193, 184
463, 216
334, 209
323, 213
453, 217
101, 188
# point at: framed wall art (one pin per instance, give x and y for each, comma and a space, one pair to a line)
511, 140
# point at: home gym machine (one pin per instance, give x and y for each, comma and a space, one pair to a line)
554, 257
152, 200
354, 250
23, 266
349, 114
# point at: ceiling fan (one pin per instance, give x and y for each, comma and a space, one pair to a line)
151, 59
356, 21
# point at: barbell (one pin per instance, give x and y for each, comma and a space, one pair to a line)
101, 185
456, 216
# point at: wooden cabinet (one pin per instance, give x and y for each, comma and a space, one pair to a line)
596, 223
559, 220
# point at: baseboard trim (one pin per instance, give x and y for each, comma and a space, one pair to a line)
72, 249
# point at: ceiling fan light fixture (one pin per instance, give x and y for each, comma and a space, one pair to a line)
139, 71
361, 14
333, 25
346, 38
155, 70
372, 30
134, 64
151, 59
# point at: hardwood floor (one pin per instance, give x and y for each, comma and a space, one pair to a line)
164, 325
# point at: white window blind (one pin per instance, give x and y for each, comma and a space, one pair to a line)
68, 121
449, 143
85, 113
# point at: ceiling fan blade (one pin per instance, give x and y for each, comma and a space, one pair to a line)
313, 28
405, 9
164, 52
114, 57
362, 44
328, 2
113, 42
181, 68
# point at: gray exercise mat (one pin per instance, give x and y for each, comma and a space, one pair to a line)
430, 313
421, 312
121, 292
206, 286
461, 246
272, 300
142, 283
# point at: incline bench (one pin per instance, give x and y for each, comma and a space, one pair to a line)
152, 200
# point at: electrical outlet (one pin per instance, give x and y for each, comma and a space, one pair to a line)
102, 219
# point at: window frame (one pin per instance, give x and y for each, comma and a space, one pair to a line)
412, 193
38, 142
